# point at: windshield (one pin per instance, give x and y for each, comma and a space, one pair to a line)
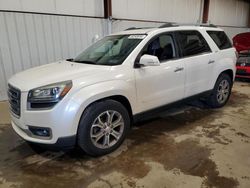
111, 50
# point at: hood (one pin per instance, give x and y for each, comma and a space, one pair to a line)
54, 72
242, 42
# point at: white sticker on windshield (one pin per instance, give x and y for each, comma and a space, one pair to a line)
136, 36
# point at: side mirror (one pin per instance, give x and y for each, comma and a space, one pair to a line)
149, 60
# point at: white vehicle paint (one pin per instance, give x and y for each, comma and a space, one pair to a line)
144, 87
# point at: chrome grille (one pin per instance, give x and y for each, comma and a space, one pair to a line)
14, 100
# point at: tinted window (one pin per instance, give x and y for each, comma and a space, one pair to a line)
220, 39
192, 43
162, 47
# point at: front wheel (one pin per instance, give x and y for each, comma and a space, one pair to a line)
103, 127
221, 91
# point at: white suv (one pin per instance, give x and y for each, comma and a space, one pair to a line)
92, 100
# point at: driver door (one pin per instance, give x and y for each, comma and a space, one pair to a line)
164, 84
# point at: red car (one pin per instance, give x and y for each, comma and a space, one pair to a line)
242, 44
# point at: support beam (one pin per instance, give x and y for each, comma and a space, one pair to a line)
201, 12
249, 16
107, 9
205, 11
108, 14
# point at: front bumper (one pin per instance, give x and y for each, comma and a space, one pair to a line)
62, 121
243, 72
68, 142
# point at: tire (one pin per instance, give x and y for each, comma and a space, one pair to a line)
221, 91
97, 134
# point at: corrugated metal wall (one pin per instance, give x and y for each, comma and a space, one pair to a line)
69, 7
229, 12
29, 40
158, 10
182, 11
231, 15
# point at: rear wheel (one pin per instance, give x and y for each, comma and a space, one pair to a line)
103, 127
221, 91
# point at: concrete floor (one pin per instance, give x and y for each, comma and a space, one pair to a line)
193, 148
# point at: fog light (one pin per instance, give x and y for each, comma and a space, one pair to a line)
40, 131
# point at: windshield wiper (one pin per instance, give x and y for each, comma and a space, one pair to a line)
87, 62
71, 59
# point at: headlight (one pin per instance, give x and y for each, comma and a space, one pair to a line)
49, 94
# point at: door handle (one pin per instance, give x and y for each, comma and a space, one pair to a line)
211, 62
178, 69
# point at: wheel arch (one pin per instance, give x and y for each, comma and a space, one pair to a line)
119, 98
211, 101
229, 72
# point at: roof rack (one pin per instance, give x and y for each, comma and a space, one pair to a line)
133, 28
130, 28
168, 24
207, 25
171, 24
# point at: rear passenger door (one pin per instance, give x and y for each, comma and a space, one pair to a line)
198, 59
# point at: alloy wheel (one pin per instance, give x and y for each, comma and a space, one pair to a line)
107, 129
223, 91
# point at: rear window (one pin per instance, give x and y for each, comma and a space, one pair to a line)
220, 39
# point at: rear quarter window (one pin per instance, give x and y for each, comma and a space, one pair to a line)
220, 39
192, 43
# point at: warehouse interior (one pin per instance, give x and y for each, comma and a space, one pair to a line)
38, 32
191, 146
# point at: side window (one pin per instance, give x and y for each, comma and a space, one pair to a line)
162, 47
220, 39
192, 43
